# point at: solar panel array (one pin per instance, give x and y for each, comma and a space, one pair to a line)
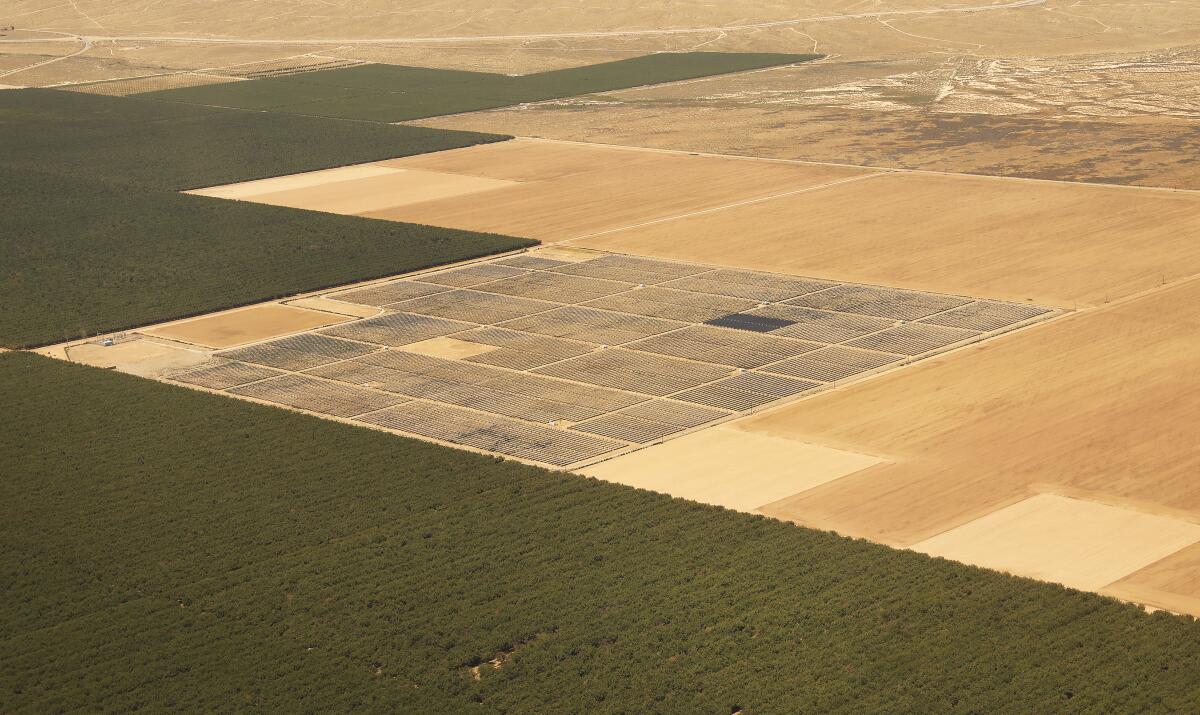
582, 359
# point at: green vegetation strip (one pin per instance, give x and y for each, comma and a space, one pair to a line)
168, 549
394, 93
97, 238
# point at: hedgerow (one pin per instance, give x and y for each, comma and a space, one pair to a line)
164, 548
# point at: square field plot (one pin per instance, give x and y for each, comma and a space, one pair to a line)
1081, 544
569, 358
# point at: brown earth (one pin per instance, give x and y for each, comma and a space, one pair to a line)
1101, 401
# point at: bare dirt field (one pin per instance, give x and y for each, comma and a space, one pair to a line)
244, 325
1078, 543
543, 190
1099, 402
1068, 245
731, 468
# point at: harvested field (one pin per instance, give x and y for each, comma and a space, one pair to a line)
730, 467
245, 325
561, 191
1097, 404
560, 380
1077, 543
1067, 245
355, 190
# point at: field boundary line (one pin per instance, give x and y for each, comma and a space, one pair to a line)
888, 169
722, 207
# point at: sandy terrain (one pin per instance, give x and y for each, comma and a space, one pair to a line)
358, 190
542, 190
1172, 583
1077, 543
146, 358
335, 306
731, 468
448, 348
244, 325
1052, 243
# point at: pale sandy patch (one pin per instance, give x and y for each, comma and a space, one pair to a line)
138, 357
448, 348
1081, 544
1172, 583
731, 468
245, 325
336, 306
381, 192
565, 253
246, 190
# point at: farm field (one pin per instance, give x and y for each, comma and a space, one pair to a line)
98, 237
1093, 406
391, 568
732, 358
1061, 244
557, 191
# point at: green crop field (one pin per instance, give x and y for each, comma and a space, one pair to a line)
392, 93
168, 549
96, 236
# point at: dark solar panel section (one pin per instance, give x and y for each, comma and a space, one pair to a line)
754, 323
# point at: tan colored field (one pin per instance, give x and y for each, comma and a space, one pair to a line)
1059, 244
146, 358
542, 190
357, 190
1102, 402
329, 305
730, 468
1077, 543
244, 325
